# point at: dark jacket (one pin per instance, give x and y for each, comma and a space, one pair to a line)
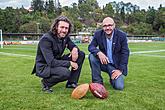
49, 53
120, 50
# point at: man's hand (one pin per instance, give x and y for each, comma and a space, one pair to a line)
74, 65
116, 74
103, 58
74, 54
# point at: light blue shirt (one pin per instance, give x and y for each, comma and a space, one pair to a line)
109, 48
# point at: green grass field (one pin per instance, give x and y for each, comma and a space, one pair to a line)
144, 85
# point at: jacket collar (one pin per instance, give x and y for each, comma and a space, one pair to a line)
57, 39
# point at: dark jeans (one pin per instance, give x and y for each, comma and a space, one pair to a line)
60, 74
97, 67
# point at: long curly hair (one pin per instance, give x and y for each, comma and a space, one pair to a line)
55, 24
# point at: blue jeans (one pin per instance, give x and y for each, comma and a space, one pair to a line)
97, 67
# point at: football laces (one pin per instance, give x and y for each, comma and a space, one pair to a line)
98, 93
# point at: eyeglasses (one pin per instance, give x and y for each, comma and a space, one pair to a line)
108, 25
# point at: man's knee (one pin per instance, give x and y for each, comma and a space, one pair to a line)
119, 86
60, 72
65, 73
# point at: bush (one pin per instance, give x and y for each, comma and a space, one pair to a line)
139, 29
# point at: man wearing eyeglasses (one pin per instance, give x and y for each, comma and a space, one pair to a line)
109, 52
51, 64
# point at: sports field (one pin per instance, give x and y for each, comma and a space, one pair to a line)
144, 85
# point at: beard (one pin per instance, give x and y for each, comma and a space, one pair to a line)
62, 34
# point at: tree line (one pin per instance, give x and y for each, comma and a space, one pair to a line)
86, 15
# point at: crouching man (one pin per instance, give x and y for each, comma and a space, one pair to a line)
109, 52
51, 64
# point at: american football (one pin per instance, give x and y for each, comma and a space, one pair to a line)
80, 91
98, 90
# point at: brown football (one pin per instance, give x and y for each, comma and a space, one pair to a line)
98, 90
80, 91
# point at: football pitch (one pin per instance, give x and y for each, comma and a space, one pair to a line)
144, 85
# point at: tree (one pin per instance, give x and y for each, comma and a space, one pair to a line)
77, 26
44, 24
159, 21
116, 7
58, 9
150, 16
81, 1
50, 9
87, 11
139, 29
29, 27
85, 16
98, 15
139, 16
122, 14
73, 14
37, 5
162, 31
108, 10
9, 17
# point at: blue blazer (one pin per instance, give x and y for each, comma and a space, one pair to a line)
120, 50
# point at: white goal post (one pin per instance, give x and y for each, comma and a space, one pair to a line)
1, 41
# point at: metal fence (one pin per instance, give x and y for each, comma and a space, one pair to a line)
36, 36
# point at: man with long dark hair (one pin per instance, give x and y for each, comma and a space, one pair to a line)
51, 65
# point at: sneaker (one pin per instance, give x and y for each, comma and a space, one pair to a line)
49, 90
71, 85
45, 88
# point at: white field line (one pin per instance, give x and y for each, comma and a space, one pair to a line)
17, 55
142, 53
149, 55
139, 53
21, 48
152, 51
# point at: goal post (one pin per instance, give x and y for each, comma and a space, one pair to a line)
1, 38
